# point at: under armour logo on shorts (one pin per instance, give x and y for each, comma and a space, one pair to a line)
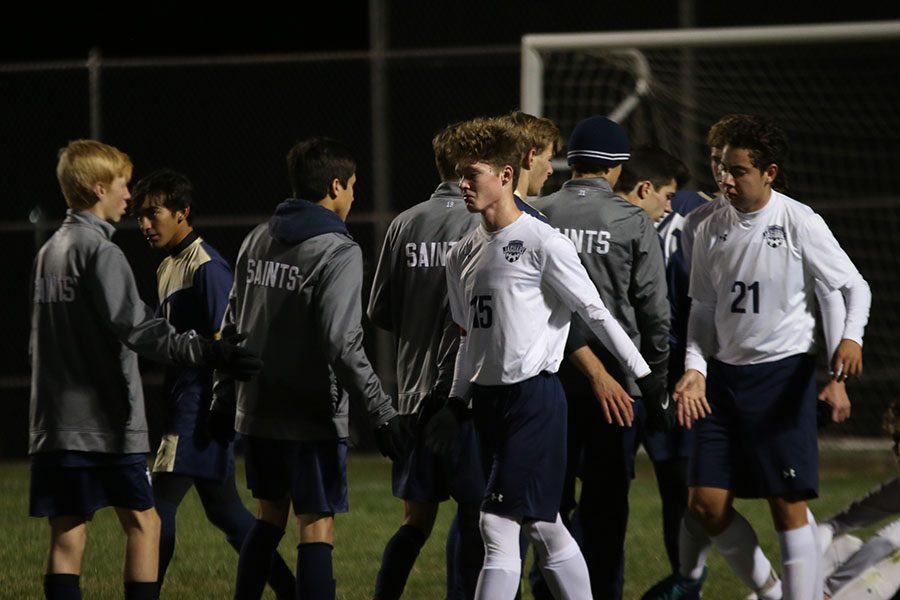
496, 497
789, 474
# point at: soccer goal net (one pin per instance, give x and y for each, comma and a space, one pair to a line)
834, 88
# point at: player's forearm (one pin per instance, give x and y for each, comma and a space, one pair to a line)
613, 337
701, 336
834, 315
355, 373
462, 375
858, 298
588, 363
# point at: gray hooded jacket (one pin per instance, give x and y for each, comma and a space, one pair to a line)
297, 297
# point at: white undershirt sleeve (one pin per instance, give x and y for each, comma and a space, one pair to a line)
462, 379
834, 315
700, 336
832, 267
858, 298
566, 276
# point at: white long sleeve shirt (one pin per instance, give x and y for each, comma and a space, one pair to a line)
513, 291
753, 280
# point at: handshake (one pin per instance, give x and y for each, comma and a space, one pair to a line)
439, 420
227, 356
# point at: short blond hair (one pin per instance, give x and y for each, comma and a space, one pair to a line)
85, 163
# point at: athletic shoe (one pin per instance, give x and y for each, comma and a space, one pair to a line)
677, 587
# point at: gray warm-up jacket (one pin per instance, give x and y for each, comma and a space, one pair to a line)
87, 323
620, 250
409, 292
297, 297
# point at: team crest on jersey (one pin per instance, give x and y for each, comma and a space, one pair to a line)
514, 250
774, 236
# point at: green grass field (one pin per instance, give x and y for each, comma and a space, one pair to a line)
204, 564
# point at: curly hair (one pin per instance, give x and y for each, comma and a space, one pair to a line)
495, 141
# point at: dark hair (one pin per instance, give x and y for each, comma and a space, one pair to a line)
715, 135
314, 163
765, 141
164, 187
653, 164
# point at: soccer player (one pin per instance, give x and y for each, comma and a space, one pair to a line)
751, 333
513, 283
193, 281
88, 430
541, 141
866, 570
619, 247
298, 281
678, 235
409, 298
650, 179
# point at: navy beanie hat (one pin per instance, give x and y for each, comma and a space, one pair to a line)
598, 142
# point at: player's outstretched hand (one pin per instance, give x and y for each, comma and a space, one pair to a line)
835, 394
690, 396
617, 405
442, 430
228, 356
390, 438
847, 361
220, 426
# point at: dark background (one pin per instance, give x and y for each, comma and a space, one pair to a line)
228, 125
166, 28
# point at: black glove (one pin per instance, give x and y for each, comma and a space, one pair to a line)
433, 402
660, 407
227, 356
220, 426
442, 430
390, 438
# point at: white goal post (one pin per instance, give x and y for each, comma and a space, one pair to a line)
632, 48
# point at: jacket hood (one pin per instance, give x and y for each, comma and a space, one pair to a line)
296, 221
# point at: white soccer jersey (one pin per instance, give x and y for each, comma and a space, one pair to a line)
692, 222
758, 271
514, 291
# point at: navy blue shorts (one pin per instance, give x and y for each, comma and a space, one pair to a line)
195, 456
312, 474
663, 446
760, 440
422, 476
58, 491
522, 429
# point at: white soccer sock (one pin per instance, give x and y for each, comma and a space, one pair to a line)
499, 577
818, 592
693, 547
560, 560
799, 563
739, 546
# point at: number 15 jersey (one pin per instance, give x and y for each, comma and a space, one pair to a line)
759, 270
514, 291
